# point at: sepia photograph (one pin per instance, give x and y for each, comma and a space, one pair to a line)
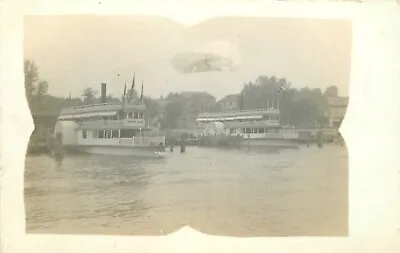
143, 125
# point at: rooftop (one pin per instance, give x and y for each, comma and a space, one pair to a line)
99, 108
338, 101
229, 97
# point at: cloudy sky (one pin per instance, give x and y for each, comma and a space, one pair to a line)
75, 52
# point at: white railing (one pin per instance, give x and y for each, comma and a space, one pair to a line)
101, 108
260, 123
239, 112
278, 135
134, 141
95, 105
140, 123
148, 140
99, 141
126, 141
105, 105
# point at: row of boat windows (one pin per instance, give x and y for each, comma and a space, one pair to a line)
255, 130
110, 134
133, 115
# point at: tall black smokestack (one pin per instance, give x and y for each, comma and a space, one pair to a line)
103, 93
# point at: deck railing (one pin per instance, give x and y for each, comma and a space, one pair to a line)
134, 141
148, 140
94, 105
260, 123
114, 123
238, 112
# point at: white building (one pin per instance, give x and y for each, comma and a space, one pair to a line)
337, 107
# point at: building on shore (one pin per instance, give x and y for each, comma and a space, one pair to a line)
336, 110
228, 103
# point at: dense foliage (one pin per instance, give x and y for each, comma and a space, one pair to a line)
303, 106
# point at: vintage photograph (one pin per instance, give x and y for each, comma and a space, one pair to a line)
144, 125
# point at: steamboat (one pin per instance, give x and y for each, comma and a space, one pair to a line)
109, 128
257, 127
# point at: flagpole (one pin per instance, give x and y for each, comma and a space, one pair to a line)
69, 97
132, 88
124, 97
141, 95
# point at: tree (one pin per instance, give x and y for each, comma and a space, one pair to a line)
173, 112
89, 96
31, 78
297, 107
39, 94
35, 88
151, 108
111, 99
331, 91
132, 96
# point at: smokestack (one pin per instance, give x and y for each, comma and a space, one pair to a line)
103, 93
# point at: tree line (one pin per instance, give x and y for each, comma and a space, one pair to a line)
304, 106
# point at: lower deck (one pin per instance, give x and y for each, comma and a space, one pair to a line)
278, 133
109, 137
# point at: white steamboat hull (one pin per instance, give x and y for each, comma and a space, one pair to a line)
279, 143
145, 152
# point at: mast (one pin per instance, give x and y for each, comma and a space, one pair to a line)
141, 94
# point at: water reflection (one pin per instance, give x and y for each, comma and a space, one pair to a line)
222, 192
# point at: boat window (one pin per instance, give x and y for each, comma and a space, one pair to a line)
135, 115
140, 115
108, 134
101, 134
266, 117
84, 133
261, 130
122, 115
271, 130
254, 130
247, 130
127, 133
130, 115
115, 134
94, 134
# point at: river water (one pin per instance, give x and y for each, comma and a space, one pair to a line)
221, 192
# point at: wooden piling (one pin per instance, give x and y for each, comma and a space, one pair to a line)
183, 143
308, 140
320, 139
170, 142
55, 147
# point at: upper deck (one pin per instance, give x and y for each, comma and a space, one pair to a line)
99, 110
254, 114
